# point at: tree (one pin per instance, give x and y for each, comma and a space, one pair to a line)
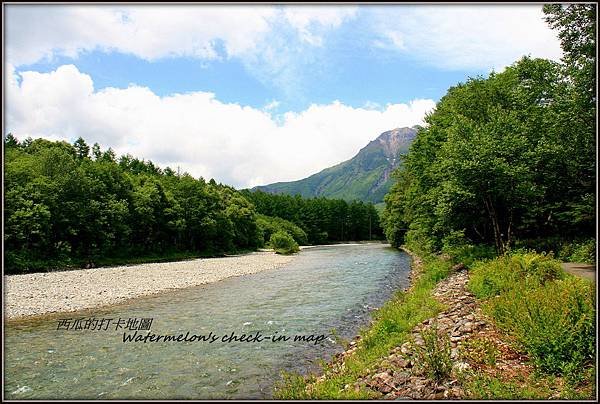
63, 208
576, 111
496, 161
96, 151
83, 150
11, 141
576, 26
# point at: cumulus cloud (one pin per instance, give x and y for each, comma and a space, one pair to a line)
281, 45
273, 42
35, 32
234, 144
465, 36
309, 21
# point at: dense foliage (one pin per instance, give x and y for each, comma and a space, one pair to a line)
510, 156
323, 220
72, 205
270, 225
283, 243
64, 207
550, 313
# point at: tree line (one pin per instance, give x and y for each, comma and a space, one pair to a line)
72, 205
509, 157
323, 220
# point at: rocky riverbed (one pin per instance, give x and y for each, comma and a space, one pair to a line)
65, 291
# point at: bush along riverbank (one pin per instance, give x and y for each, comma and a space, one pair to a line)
512, 327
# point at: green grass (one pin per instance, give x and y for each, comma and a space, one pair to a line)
551, 314
433, 357
581, 250
156, 257
391, 327
480, 351
530, 270
486, 387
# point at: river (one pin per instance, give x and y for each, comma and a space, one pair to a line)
325, 291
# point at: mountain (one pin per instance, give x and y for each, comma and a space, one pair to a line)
365, 176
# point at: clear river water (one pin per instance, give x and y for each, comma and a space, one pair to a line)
328, 291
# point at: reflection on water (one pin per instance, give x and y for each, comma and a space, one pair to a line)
322, 289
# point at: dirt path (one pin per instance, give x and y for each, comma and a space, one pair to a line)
583, 270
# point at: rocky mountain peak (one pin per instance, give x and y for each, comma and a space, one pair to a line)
395, 140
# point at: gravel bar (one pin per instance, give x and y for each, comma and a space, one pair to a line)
66, 291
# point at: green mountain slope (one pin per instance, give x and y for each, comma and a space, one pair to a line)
365, 177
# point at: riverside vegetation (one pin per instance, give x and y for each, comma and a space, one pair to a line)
69, 206
500, 181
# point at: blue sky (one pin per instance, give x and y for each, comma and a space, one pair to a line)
249, 94
355, 78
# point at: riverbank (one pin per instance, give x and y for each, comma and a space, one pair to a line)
439, 340
390, 328
37, 294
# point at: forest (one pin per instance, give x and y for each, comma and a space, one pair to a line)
72, 205
508, 160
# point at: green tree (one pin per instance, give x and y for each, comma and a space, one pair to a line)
83, 150
10, 141
96, 152
283, 243
497, 160
576, 26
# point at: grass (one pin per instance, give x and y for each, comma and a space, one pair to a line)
487, 387
550, 314
528, 270
433, 357
481, 351
581, 250
391, 327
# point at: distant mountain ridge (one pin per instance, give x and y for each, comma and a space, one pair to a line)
365, 176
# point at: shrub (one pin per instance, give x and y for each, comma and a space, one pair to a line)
283, 243
492, 278
584, 252
433, 357
555, 323
419, 241
461, 250
267, 225
481, 351
580, 250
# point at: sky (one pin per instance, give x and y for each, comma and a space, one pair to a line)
248, 94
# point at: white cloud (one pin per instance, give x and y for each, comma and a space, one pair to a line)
308, 21
273, 42
235, 144
35, 32
466, 36
271, 105
282, 45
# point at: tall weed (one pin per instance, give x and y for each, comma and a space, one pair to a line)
555, 322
